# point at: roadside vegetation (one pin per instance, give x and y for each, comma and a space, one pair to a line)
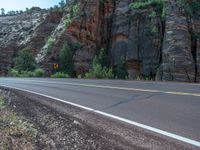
2, 102
66, 64
66, 60
14, 130
102, 70
60, 75
25, 66
99, 72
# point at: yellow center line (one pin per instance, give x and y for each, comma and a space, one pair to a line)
136, 89
118, 88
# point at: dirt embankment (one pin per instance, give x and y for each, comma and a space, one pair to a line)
25, 124
29, 122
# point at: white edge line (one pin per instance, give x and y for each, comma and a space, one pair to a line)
162, 132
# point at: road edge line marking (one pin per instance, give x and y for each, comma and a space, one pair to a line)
158, 131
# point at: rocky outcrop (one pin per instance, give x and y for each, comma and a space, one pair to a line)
92, 29
108, 25
133, 39
196, 42
15, 32
177, 61
25, 30
89, 31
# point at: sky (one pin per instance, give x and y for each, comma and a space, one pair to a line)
22, 4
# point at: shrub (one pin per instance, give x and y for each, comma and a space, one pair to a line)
99, 72
121, 69
2, 102
13, 73
154, 29
147, 3
77, 46
36, 73
103, 58
153, 14
26, 74
60, 75
66, 60
49, 42
195, 5
39, 72
157, 5
73, 10
25, 61
109, 74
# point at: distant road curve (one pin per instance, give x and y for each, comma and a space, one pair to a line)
167, 108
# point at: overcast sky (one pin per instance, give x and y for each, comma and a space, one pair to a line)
22, 4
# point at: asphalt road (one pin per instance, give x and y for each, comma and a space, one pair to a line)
172, 107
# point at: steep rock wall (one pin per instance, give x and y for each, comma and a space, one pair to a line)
133, 39
90, 30
196, 42
177, 60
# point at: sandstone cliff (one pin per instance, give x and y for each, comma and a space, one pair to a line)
161, 42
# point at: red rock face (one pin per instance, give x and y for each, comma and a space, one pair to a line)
91, 28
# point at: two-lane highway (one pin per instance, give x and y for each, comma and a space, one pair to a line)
170, 107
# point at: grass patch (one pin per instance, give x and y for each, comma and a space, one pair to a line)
60, 75
36, 73
2, 102
155, 7
15, 126
146, 4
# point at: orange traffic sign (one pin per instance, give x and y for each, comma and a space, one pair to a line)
55, 66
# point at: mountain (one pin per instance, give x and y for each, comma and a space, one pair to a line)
158, 39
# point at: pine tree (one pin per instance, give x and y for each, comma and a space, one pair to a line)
66, 60
121, 69
25, 61
2, 11
103, 58
62, 4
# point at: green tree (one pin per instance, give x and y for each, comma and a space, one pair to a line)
66, 60
25, 61
99, 72
121, 69
103, 58
73, 10
62, 4
2, 11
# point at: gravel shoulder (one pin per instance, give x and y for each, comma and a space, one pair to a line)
47, 124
